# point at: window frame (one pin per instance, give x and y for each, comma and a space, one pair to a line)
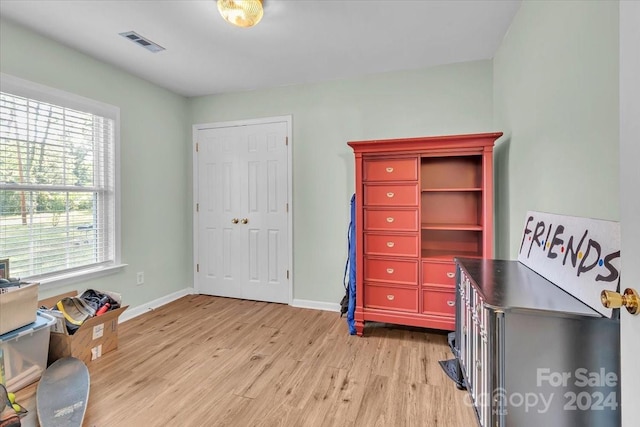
28, 89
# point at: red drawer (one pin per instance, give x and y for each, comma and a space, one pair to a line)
439, 301
390, 298
438, 273
391, 220
391, 195
391, 170
391, 244
391, 270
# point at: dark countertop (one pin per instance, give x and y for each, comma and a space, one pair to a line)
510, 285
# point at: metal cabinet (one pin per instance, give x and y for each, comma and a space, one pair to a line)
531, 354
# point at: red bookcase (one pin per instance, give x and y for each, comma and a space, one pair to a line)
420, 202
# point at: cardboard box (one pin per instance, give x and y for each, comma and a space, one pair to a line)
96, 336
18, 306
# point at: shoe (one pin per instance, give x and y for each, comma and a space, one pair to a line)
8, 416
75, 312
96, 299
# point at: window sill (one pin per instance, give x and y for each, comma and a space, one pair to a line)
79, 276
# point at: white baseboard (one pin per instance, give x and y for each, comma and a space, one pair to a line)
316, 305
152, 305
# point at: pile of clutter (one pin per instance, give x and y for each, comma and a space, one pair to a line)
76, 310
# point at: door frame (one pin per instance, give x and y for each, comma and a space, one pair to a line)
629, 92
288, 119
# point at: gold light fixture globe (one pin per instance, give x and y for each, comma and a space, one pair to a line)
243, 13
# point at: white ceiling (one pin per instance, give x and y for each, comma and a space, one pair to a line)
297, 41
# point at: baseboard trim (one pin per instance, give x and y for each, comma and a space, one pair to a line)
316, 305
152, 305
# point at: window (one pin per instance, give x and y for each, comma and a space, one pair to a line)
58, 176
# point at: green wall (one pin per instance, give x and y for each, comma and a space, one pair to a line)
556, 98
552, 88
156, 153
156, 211
442, 100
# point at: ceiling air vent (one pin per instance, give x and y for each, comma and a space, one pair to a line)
145, 43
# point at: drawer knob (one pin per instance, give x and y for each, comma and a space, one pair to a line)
390, 270
390, 194
390, 297
451, 303
451, 275
389, 219
390, 244
389, 170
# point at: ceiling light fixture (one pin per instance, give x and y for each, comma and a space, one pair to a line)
243, 13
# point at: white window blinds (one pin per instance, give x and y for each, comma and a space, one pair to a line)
57, 187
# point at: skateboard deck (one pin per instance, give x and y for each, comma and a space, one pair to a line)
62, 393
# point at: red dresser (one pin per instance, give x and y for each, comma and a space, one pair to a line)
420, 202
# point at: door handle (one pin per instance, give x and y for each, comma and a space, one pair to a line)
235, 220
629, 300
244, 220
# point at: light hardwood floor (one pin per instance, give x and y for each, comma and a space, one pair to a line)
209, 361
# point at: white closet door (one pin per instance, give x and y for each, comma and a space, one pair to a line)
243, 218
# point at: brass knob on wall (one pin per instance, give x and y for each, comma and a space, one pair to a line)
235, 220
629, 300
244, 220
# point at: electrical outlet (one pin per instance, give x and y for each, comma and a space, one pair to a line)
140, 278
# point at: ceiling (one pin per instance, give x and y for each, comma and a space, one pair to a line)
297, 41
